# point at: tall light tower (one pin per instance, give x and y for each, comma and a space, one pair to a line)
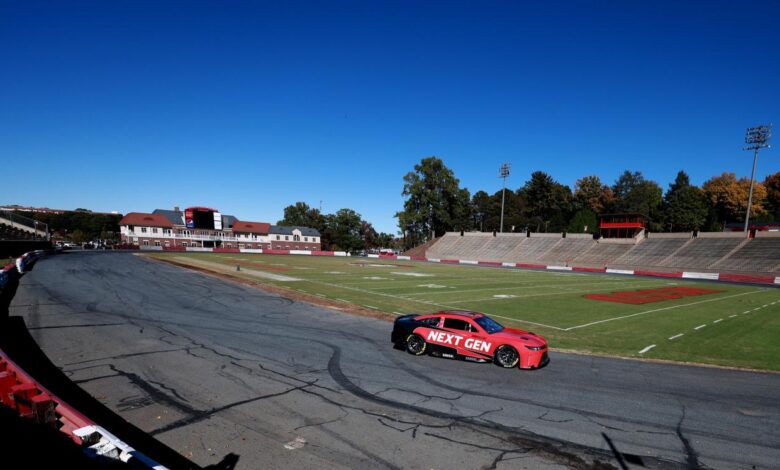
756, 138
503, 173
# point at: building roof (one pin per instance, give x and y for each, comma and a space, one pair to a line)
306, 231
228, 221
147, 220
260, 228
175, 217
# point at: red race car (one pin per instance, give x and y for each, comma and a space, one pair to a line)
471, 336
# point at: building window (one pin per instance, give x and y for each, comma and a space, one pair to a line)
154, 230
185, 244
277, 237
296, 238
143, 229
286, 237
167, 243
157, 244
305, 239
146, 242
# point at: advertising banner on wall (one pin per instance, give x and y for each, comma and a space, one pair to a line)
189, 219
217, 221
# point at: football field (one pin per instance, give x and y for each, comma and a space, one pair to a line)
706, 322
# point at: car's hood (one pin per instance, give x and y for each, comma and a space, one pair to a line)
518, 335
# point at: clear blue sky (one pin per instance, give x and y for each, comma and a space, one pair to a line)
250, 106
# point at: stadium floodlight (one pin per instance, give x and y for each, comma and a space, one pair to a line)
756, 138
503, 173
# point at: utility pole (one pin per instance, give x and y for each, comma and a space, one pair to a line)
503, 173
756, 138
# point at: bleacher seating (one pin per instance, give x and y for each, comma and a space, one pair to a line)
701, 253
757, 255
713, 252
567, 250
651, 251
8, 232
603, 254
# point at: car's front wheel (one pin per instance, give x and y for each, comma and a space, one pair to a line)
507, 356
416, 345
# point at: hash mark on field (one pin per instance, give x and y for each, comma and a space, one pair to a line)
342, 300
398, 313
745, 312
699, 327
371, 306
647, 349
676, 336
757, 309
662, 309
765, 306
732, 316
718, 320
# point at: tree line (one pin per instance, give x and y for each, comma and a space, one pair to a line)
344, 230
436, 203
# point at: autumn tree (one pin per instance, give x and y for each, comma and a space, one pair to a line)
729, 196
591, 193
772, 202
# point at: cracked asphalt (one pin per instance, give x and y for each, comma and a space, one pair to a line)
213, 368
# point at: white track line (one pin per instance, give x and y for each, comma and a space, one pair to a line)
661, 309
699, 327
676, 336
647, 349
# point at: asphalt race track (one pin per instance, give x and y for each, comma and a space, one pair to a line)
210, 368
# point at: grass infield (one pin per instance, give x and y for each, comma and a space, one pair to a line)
738, 326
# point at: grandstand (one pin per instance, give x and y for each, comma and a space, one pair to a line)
17, 227
702, 252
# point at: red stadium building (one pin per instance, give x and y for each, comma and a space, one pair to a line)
202, 227
621, 225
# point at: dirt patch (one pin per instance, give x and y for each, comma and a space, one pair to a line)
263, 266
364, 264
345, 307
646, 296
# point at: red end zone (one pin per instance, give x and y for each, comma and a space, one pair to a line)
646, 296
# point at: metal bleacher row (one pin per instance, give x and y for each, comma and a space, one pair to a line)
8, 232
725, 252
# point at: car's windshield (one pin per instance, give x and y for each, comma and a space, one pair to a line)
489, 325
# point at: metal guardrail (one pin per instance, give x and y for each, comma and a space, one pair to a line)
21, 222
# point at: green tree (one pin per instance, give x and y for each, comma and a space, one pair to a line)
435, 202
584, 221
686, 205
548, 203
343, 230
301, 215
636, 195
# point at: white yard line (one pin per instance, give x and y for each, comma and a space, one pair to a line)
699, 327
676, 336
647, 349
662, 309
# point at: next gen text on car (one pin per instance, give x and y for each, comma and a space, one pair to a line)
471, 336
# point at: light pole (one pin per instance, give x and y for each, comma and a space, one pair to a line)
756, 138
503, 173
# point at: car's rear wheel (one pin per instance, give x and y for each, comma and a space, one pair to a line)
416, 345
506, 356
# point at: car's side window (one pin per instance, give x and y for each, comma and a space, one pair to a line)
455, 324
434, 321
